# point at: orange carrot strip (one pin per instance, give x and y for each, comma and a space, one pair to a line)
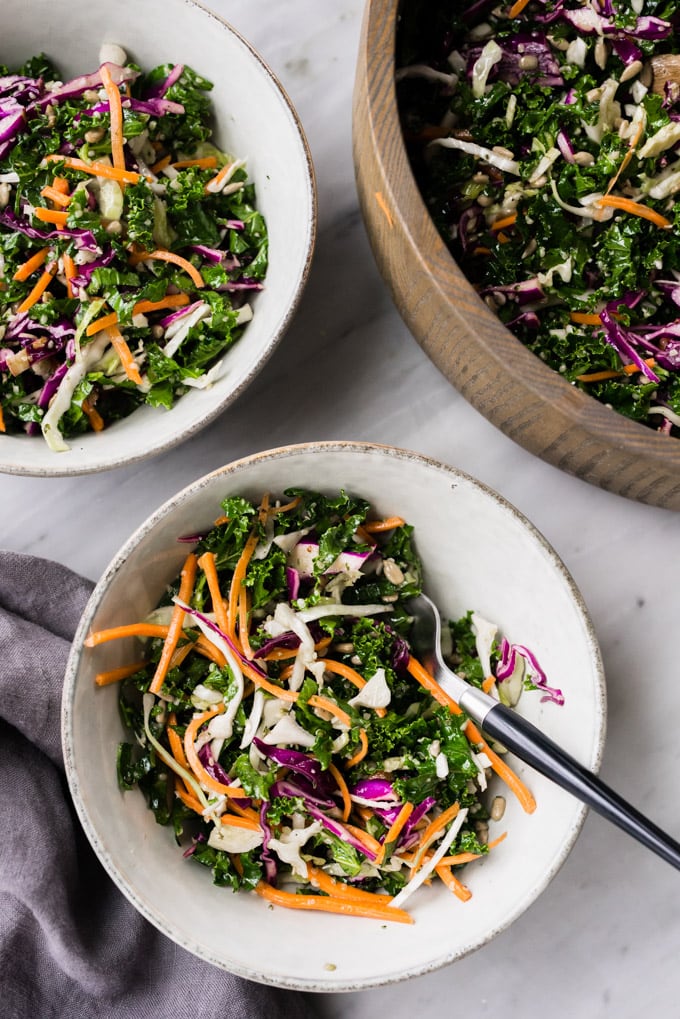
101, 323
236, 581
205, 162
243, 811
39, 289
128, 630
632, 145
187, 799
451, 881
161, 164
330, 904
116, 118
425, 679
340, 890
207, 564
280, 654
241, 822
433, 829
635, 208
194, 762
61, 185
169, 301
3, 427
586, 318
500, 224
327, 705
503, 238
479, 250
124, 355
340, 669
50, 216
30, 265
517, 8
344, 791
186, 587
361, 752
115, 675
383, 525
488, 684
93, 416
97, 169
58, 197
175, 741
288, 506
69, 270
626, 369
170, 256
503, 770
395, 830
219, 177
365, 838
243, 623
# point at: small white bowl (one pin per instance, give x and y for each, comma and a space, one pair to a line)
255, 120
478, 552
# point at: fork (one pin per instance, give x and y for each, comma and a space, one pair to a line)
531, 745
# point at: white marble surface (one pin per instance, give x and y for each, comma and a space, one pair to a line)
603, 939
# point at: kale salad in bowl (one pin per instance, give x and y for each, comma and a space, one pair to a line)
153, 241
517, 180
255, 745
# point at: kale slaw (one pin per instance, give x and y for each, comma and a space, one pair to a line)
130, 246
284, 726
544, 138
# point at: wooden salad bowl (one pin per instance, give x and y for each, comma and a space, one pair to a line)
492, 369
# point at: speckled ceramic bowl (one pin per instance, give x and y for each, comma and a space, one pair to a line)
478, 552
254, 119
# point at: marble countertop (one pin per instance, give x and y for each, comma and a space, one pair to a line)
602, 939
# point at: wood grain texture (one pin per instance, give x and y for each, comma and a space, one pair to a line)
503, 380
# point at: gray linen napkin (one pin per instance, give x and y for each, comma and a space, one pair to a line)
71, 945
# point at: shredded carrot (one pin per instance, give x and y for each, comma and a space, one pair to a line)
176, 745
101, 323
383, 525
61, 185
361, 752
340, 890
241, 822
206, 648
585, 318
51, 216
527, 801
287, 506
69, 272
344, 791
632, 145
330, 904
124, 355
635, 208
425, 679
395, 830
433, 829
480, 250
115, 675
56, 196
384, 208
186, 587
317, 701
460, 858
503, 238
236, 581
128, 630
93, 416
500, 224
488, 684
116, 118
243, 626
194, 760
451, 881
517, 8
3, 426
161, 164
280, 654
626, 369
169, 301
205, 163
340, 669
97, 169
207, 564
187, 799
39, 289
365, 838
170, 256
28, 267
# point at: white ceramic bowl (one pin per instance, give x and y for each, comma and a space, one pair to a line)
478, 552
254, 120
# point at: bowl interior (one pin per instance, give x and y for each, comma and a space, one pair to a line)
253, 120
478, 552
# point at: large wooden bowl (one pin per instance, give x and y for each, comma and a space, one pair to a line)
506, 383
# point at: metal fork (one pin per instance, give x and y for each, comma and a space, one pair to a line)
531, 745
